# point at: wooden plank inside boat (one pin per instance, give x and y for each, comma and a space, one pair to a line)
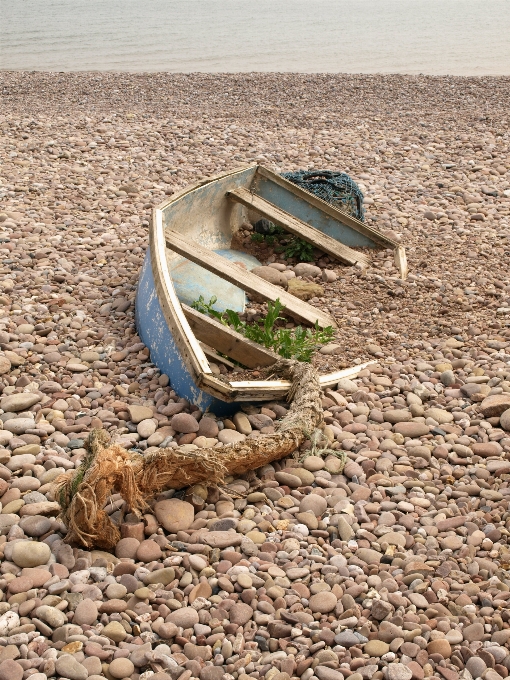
246, 280
314, 211
211, 353
297, 227
352, 222
227, 341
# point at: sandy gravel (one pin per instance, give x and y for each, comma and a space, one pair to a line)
394, 567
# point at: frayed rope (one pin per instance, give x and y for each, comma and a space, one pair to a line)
109, 469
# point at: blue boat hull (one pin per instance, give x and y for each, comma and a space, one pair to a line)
156, 335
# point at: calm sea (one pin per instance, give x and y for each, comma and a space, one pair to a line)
462, 37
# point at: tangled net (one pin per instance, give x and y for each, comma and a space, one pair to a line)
336, 188
110, 469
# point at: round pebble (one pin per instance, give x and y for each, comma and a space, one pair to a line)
85, 613
30, 553
121, 668
10, 670
183, 422
323, 602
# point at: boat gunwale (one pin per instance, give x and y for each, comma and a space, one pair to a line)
193, 355
163, 278
201, 183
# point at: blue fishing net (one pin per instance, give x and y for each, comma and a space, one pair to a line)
336, 188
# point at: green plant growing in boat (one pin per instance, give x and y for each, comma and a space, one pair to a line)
290, 246
299, 249
296, 343
271, 234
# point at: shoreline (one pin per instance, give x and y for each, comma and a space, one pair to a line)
407, 91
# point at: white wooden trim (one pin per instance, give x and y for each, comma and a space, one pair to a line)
169, 291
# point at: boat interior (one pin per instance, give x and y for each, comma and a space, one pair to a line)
191, 251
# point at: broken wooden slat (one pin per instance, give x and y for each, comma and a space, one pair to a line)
211, 353
260, 390
401, 261
297, 227
251, 390
246, 280
227, 341
330, 379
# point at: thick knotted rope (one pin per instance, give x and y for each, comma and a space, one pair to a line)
110, 469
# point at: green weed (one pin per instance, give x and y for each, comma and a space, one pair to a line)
291, 246
207, 308
296, 343
299, 249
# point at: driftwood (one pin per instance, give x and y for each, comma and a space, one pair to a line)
109, 468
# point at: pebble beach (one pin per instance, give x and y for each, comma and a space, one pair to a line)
386, 559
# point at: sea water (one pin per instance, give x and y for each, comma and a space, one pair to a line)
461, 37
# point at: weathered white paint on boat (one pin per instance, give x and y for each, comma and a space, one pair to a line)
192, 281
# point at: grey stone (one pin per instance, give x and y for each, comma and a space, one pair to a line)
67, 667
346, 639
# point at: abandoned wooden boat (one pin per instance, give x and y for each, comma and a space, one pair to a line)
190, 253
